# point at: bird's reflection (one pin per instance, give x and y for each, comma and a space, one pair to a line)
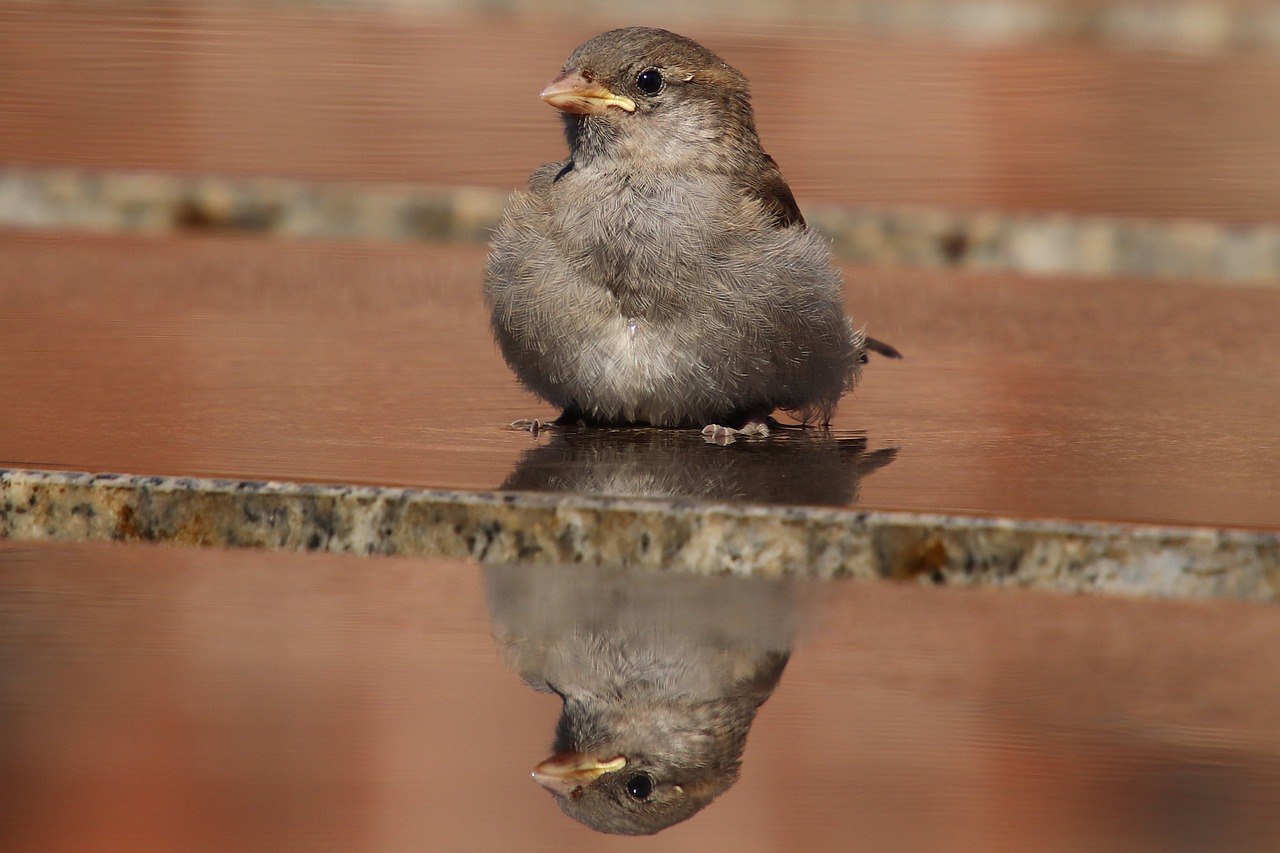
660, 676
811, 467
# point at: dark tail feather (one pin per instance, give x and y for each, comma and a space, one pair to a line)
882, 348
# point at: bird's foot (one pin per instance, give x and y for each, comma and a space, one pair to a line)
570, 417
532, 425
722, 435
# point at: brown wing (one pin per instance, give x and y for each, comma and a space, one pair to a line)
767, 184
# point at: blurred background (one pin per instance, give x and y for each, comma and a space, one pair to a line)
243, 238
1103, 137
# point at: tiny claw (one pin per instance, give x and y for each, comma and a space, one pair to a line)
721, 435
530, 425
756, 429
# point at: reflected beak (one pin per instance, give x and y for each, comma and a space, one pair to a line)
566, 773
574, 93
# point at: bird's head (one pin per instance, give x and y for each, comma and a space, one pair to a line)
634, 765
654, 96
631, 795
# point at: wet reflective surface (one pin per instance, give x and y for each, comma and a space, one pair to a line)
390, 94
792, 467
373, 364
158, 698
169, 699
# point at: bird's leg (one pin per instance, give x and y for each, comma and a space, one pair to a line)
754, 425
569, 417
531, 425
717, 434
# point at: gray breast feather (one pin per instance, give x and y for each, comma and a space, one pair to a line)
657, 304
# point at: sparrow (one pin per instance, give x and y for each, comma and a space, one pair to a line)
663, 274
660, 675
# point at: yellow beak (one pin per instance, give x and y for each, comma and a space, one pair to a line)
574, 93
566, 772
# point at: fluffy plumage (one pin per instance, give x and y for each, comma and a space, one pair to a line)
661, 676
663, 273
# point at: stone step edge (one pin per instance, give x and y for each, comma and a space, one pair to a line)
981, 241
512, 527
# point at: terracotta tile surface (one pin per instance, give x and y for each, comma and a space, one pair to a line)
342, 363
390, 95
161, 698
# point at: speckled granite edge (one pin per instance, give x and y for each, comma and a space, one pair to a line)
709, 539
153, 203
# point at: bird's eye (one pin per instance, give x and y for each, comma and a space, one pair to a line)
649, 81
640, 786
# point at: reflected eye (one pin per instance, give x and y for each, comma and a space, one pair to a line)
640, 786
649, 81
